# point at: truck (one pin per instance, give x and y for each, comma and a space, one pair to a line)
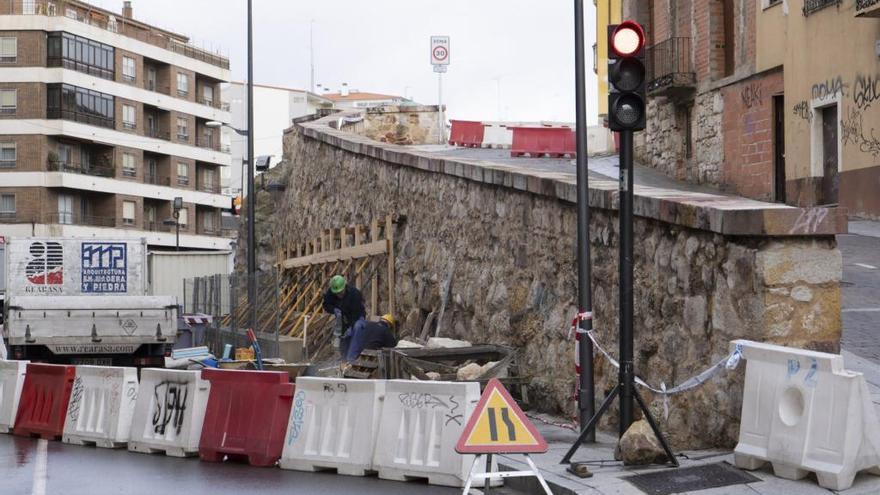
84, 301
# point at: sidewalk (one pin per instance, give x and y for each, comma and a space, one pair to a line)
609, 476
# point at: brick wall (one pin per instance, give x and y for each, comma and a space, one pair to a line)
31, 153
31, 103
191, 96
748, 136
29, 204
31, 48
139, 73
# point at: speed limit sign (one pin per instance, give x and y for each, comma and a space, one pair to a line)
439, 50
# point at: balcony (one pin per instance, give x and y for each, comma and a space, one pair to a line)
208, 143
99, 19
76, 219
156, 227
813, 6
69, 63
209, 188
158, 134
84, 118
157, 88
79, 168
155, 179
867, 8
210, 102
670, 69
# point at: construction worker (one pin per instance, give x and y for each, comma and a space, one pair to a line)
372, 335
347, 303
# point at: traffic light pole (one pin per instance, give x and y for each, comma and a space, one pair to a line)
586, 389
626, 387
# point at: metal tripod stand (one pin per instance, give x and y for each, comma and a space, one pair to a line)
625, 389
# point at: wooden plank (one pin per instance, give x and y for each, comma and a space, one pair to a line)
374, 283
361, 251
389, 238
357, 242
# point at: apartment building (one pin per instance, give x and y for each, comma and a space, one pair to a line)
103, 123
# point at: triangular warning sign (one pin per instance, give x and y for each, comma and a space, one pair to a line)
498, 426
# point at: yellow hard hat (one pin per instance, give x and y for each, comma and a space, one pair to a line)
389, 318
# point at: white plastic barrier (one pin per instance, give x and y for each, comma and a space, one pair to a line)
333, 425
497, 135
101, 405
803, 412
169, 413
11, 382
420, 425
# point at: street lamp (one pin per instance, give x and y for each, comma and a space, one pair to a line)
175, 220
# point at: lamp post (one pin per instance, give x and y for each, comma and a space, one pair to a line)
175, 220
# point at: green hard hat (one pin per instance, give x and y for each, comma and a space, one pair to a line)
337, 284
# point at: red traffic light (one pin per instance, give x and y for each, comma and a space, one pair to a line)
627, 39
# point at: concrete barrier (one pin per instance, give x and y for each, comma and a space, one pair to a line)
169, 412
101, 406
803, 412
333, 425
420, 425
11, 382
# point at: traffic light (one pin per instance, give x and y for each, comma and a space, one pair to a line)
626, 77
236, 205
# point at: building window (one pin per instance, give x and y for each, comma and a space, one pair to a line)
128, 167
182, 84
71, 13
65, 209
129, 117
8, 100
182, 129
112, 25
209, 95
129, 72
29, 7
183, 174
184, 217
80, 54
7, 205
208, 180
208, 221
8, 155
51, 9
80, 105
128, 208
8, 50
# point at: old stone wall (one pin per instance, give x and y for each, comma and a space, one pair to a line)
705, 275
405, 125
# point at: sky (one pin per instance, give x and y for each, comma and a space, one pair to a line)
511, 60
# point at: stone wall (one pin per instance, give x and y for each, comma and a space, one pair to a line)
405, 125
709, 269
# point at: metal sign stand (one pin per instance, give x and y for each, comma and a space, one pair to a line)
489, 476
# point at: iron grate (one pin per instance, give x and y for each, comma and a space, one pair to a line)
691, 479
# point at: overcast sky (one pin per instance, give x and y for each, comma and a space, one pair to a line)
511, 59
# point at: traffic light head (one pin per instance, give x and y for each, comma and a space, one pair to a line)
626, 77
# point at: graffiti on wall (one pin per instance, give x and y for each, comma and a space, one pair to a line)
866, 91
803, 110
853, 133
829, 89
751, 95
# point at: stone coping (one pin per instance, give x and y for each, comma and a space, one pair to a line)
719, 213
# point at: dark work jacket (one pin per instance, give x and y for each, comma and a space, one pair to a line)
371, 335
350, 302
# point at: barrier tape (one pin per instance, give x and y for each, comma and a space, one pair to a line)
729, 362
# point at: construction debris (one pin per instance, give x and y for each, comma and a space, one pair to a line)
639, 446
444, 343
406, 344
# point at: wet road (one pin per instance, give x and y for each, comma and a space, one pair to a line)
37, 467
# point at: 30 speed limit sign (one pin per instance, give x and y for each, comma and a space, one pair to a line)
439, 50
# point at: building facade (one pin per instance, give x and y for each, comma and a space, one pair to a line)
103, 123
768, 99
274, 110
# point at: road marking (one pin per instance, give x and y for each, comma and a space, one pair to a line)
41, 470
869, 267
862, 310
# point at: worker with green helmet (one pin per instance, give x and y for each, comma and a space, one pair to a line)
347, 304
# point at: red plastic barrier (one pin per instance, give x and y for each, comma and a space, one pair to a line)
467, 133
536, 142
246, 417
43, 404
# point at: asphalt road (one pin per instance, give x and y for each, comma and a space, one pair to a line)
37, 467
861, 295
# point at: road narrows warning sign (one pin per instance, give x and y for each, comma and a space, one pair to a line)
498, 426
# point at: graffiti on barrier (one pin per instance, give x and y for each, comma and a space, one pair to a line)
170, 400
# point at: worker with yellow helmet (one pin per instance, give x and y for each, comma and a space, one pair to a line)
372, 335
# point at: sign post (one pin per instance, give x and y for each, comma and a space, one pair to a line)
440, 61
498, 426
